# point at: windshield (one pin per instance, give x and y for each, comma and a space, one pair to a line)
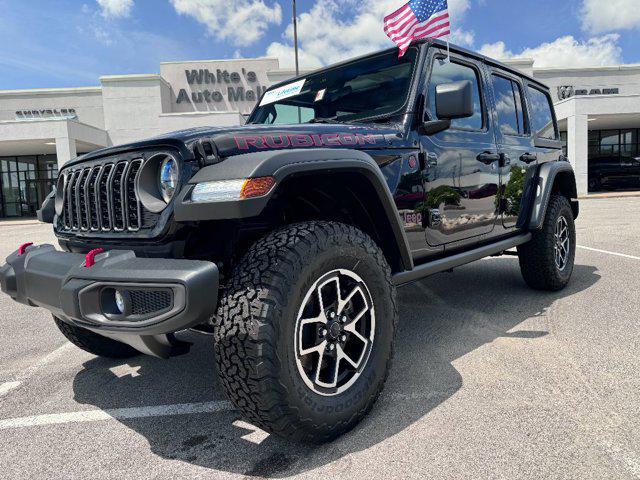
372, 87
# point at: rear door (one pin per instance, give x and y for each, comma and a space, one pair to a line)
515, 144
463, 174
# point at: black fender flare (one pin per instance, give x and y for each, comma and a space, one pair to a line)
282, 165
547, 174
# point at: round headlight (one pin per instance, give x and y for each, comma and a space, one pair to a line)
168, 178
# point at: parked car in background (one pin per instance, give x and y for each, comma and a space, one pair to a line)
610, 172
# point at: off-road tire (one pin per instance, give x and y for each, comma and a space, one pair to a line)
94, 343
537, 261
256, 321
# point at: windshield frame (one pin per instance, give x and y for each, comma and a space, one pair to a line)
400, 111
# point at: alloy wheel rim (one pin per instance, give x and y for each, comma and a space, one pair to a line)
335, 331
562, 243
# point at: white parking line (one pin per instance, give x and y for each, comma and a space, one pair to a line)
8, 386
46, 360
117, 414
609, 253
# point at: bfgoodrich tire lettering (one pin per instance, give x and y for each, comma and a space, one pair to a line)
539, 261
255, 329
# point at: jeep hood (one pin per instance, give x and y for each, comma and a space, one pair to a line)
231, 141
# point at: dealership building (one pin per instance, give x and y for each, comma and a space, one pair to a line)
40, 130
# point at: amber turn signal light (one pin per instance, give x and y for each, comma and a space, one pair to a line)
257, 187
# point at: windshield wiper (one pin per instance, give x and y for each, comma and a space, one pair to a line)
330, 120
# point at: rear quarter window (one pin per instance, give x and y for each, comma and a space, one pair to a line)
541, 114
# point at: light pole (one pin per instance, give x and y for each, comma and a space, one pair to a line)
295, 36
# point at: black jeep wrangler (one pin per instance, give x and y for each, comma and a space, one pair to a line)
287, 238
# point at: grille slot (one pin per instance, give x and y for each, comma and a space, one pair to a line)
91, 199
81, 198
132, 208
103, 198
117, 202
146, 302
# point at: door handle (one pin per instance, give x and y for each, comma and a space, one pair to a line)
488, 158
528, 158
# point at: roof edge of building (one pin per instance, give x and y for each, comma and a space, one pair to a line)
258, 59
50, 91
603, 68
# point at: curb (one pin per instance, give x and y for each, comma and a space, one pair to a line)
17, 223
596, 196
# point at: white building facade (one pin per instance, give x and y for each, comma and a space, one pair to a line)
41, 130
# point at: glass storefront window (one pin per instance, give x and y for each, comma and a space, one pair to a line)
612, 146
629, 137
610, 138
25, 182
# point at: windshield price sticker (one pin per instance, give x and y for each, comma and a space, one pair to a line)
281, 93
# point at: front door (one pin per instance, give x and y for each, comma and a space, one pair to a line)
462, 163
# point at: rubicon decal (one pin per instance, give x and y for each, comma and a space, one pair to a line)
303, 141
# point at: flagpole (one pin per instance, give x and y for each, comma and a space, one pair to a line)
295, 36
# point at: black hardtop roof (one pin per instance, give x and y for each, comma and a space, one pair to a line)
440, 43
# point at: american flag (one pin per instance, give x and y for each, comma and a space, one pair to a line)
417, 19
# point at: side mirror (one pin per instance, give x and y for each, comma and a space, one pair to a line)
454, 100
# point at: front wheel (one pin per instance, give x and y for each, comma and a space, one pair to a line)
304, 332
547, 260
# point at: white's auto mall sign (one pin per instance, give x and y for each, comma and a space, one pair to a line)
230, 85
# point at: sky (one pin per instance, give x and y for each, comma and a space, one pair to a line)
71, 43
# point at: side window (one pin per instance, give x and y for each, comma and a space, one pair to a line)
448, 72
541, 116
508, 106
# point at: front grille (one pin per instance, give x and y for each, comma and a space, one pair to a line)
103, 198
146, 302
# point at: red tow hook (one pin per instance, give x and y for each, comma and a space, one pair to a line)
23, 248
90, 259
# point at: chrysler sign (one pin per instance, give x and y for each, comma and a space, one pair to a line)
47, 114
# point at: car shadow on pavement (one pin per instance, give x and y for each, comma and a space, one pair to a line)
441, 319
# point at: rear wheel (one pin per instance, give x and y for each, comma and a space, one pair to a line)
547, 260
304, 332
94, 343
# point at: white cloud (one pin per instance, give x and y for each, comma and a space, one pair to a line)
564, 52
115, 8
599, 16
325, 37
101, 34
243, 22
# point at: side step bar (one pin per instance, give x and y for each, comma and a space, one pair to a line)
444, 264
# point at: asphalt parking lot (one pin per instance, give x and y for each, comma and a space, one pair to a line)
491, 380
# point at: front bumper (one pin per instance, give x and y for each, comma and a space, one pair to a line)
162, 296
